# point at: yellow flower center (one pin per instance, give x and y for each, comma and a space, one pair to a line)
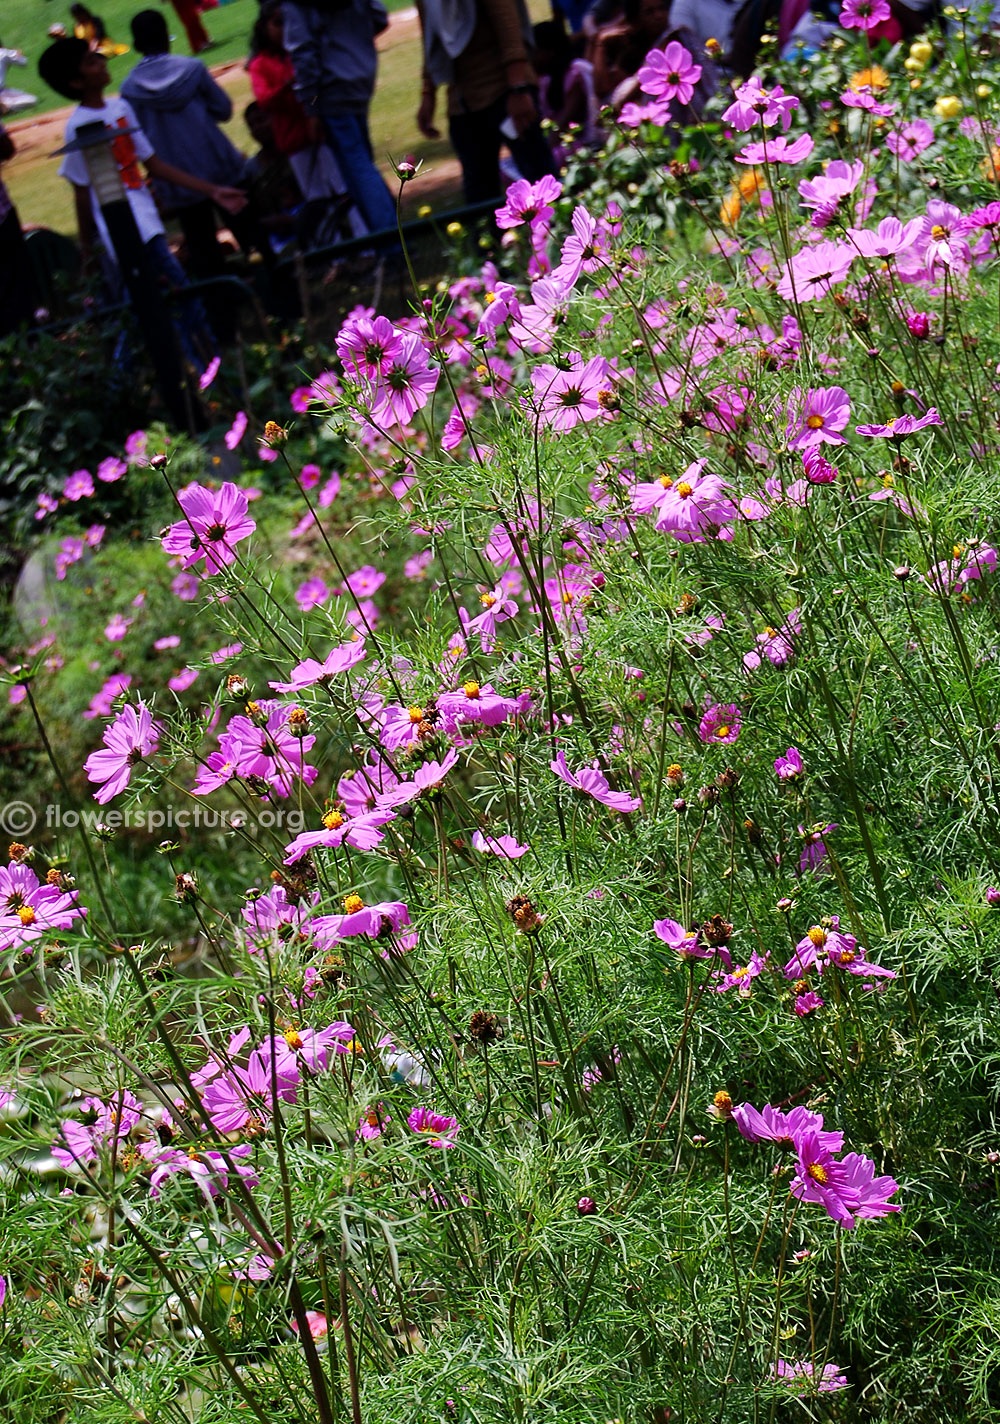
490, 297
471, 690
666, 481
938, 232
817, 936
416, 714
675, 769
722, 731
957, 551
293, 1040
333, 821
352, 904
818, 1173
26, 915
815, 422
297, 717
684, 489
487, 600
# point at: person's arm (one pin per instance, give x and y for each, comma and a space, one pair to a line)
217, 102
505, 17
85, 224
428, 89
303, 50
7, 149
231, 199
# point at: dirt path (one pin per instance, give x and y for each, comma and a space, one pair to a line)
38, 138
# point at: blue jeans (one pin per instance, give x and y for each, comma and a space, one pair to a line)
347, 134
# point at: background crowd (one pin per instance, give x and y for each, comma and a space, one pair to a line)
517, 98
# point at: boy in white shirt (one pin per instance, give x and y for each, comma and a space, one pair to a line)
76, 71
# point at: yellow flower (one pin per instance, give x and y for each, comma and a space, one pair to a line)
983, 91
913, 65
424, 211
873, 78
922, 51
454, 229
949, 106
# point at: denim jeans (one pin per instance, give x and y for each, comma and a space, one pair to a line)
347, 134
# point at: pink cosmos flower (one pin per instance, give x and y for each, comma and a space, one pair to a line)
790, 766
814, 271
669, 73
901, 425
445, 1129
783, 1129
909, 140
135, 448
498, 606
209, 374
216, 520
818, 471
241, 1095
182, 680
111, 470
864, 14
377, 921
209, 1170
311, 594
236, 431
373, 1123
828, 944
117, 628
505, 847
720, 723
428, 777
30, 909
807, 1003
80, 1143
775, 644
365, 581
100, 705
404, 384
817, 417
131, 737
46, 505
500, 304
965, 566
824, 195
80, 485
185, 587
690, 508
592, 782
863, 98
475, 702
339, 659
848, 1188
801, 1377
891, 236
754, 105
777, 150
567, 397
741, 976
528, 202
686, 943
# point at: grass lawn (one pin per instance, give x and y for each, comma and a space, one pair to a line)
45, 199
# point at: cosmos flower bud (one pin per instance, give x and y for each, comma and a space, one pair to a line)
586, 1206
993, 897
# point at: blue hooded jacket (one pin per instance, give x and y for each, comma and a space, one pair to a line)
332, 46
179, 107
